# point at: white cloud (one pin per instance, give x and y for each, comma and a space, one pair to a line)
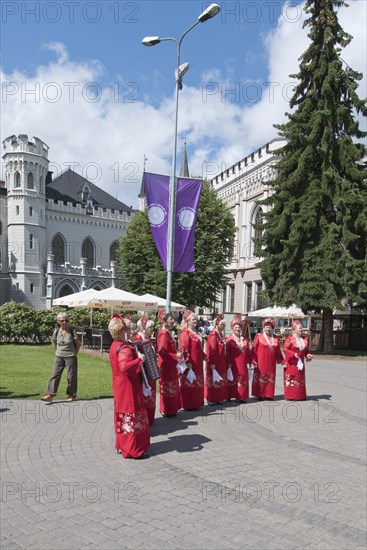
108, 130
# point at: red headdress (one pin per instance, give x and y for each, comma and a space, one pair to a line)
142, 323
116, 316
268, 321
128, 322
186, 314
236, 321
116, 325
163, 316
296, 323
218, 319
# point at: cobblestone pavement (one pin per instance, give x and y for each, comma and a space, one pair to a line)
276, 475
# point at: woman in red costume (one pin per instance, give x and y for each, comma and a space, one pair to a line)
216, 389
131, 420
170, 399
265, 355
192, 380
296, 351
239, 355
145, 330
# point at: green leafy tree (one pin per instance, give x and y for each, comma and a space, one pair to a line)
138, 259
214, 242
214, 239
315, 235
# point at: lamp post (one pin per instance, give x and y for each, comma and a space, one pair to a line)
210, 12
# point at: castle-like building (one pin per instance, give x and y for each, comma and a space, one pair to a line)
59, 236
56, 236
240, 187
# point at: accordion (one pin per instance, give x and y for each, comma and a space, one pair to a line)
150, 364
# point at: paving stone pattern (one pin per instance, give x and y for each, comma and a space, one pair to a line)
260, 475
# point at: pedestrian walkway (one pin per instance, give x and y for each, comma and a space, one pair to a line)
271, 474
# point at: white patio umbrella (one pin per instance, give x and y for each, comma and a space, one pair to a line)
127, 301
291, 312
162, 302
85, 298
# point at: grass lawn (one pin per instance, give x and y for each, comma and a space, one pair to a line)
25, 371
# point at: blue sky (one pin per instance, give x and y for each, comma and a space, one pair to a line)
75, 74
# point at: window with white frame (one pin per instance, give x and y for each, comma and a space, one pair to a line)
231, 297
17, 182
58, 249
260, 300
88, 251
248, 297
113, 251
30, 181
257, 220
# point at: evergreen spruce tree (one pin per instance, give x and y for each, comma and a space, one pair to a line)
315, 235
142, 270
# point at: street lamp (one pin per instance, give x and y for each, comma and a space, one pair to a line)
210, 12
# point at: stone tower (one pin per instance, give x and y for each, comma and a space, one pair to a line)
26, 166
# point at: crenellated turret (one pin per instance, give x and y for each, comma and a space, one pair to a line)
26, 165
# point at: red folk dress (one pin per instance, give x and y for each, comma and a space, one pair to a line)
149, 400
130, 420
215, 392
294, 379
170, 399
191, 347
239, 355
231, 384
266, 356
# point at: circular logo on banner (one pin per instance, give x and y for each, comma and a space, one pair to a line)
156, 214
186, 218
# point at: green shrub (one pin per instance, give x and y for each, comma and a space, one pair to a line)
20, 323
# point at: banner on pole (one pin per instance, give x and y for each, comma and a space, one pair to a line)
156, 187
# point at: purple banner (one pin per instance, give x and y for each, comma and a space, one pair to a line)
156, 189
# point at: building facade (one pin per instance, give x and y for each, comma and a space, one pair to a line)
56, 236
240, 187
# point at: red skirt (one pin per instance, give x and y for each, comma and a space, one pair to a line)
192, 395
216, 392
263, 383
294, 383
132, 433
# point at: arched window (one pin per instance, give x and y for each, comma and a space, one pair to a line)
16, 179
66, 290
58, 249
30, 181
258, 231
113, 251
88, 251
